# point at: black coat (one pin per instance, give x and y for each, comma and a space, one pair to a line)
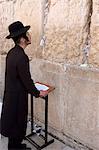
18, 84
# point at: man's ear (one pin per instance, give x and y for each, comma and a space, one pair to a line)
22, 40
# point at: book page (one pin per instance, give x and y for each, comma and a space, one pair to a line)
41, 87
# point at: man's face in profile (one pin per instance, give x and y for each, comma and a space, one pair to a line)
29, 38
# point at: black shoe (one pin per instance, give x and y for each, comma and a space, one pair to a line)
18, 147
27, 148
22, 146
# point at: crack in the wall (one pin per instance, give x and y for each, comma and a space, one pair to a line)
87, 44
14, 1
1, 2
46, 7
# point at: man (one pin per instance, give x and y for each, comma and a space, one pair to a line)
18, 84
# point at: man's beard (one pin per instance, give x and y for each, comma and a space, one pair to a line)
28, 42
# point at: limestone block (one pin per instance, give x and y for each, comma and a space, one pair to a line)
30, 13
94, 52
66, 30
48, 73
81, 116
0, 66
2, 74
73, 106
0, 77
6, 17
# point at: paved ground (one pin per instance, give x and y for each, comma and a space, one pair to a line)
55, 146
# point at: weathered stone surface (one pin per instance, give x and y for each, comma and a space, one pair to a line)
2, 74
0, 80
48, 74
73, 106
81, 109
66, 24
94, 52
30, 13
6, 17
66, 30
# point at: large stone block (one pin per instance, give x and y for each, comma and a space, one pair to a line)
66, 30
94, 52
30, 13
48, 73
0, 78
6, 17
73, 106
81, 108
65, 24
2, 74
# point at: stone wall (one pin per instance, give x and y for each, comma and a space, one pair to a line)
2, 75
6, 17
73, 105
65, 35
94, 52
30, 12
65, 28
0, 78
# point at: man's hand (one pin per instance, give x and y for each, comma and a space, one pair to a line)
43, 93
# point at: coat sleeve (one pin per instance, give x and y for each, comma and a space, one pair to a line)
25, 76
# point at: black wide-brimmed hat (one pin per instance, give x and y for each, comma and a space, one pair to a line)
16, 29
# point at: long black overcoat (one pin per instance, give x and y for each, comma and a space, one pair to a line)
18, 84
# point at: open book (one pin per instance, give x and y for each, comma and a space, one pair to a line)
44, 87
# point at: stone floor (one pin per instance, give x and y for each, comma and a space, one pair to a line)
55, 146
